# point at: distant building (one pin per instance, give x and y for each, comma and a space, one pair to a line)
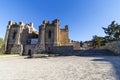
75, 44
88, 45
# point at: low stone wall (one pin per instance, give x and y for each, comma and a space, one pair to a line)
38, 49
113, 46
63, 50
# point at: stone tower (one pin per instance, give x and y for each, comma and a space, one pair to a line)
17, 36
12, 38
51, 35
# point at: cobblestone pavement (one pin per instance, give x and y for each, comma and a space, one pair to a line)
60, 68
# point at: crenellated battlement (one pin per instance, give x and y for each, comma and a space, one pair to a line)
54, 22
15, 24
66, 27
46, 22
12, 23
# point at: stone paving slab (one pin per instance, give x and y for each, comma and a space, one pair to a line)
60, 68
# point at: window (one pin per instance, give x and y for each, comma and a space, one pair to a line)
29, 41
49, 48
14, 35
49, 34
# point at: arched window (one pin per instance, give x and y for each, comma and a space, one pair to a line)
49, 34
14, 35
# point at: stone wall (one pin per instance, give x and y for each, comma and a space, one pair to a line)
27, 48
64, 40
113, 46
63, 50
14, 49
39, 48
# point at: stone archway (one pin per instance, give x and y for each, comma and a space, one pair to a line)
29, 53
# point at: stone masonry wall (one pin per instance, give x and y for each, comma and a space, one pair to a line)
27, 48
63, 37
14, 49
63, 50
113, 46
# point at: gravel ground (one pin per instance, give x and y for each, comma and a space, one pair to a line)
60, 68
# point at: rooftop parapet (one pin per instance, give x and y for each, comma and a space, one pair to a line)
12, 23
21, 23
46, 22
31, 24
66, 27
56, 21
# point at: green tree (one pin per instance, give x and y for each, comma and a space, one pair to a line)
81, 44
112, 31
1, 45
98, 41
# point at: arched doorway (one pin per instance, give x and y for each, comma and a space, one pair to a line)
29, 53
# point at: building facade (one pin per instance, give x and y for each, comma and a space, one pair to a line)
24, 38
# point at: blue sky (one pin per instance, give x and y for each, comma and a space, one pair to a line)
84, 17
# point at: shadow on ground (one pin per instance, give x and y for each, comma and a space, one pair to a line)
42, 57
115, 61
105, 56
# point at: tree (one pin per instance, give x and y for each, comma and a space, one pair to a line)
112, 31
81, 44
1, 45
98, 41
1, 42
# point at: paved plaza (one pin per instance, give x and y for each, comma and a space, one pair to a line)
60, 68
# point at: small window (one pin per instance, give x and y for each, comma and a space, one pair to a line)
29, 41
14, 35
49, 34
49, 48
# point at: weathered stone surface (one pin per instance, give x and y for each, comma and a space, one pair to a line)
29, 47
14, 49
17, 36
63, 50
113, 46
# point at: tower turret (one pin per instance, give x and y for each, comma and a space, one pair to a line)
66, 27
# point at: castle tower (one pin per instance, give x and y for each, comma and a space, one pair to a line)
7, 34
42, 36
56, 32
12, 38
